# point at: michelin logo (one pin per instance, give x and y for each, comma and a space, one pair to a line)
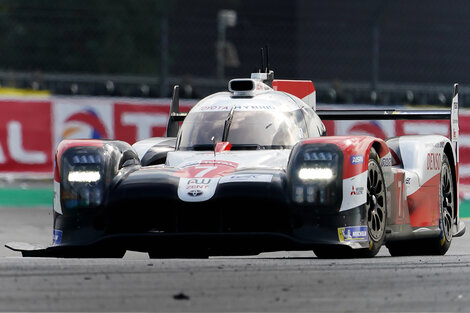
353, 233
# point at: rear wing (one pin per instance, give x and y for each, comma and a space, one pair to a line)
451, 114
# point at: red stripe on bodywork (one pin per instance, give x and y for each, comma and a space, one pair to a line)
66, 144
424, 204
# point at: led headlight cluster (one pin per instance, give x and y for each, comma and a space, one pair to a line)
82, 178
316, 175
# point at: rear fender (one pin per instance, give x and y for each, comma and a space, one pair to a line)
420, 156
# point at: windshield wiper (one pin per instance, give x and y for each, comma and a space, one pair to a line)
228, 122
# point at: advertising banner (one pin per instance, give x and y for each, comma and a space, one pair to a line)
25, 136
30, 129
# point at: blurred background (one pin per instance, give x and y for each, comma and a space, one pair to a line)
369, 51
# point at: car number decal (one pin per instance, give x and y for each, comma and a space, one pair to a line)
199, 180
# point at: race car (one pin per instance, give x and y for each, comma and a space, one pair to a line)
253, 170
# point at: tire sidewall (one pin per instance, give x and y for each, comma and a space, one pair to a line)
444, 241
375, 245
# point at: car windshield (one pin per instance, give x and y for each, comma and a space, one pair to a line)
246, 129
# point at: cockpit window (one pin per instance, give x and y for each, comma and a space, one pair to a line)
247, 129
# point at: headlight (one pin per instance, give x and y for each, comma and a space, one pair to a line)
315, 172
82, 177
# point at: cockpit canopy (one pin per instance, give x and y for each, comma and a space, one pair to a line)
269, 121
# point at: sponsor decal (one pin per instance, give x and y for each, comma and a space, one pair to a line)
243, 107
57, 237
357, 159
357, 191
408, 181
433, 161
195, 193
199, 180
351, 197
246, 178
197, 189
386, 161
353, 233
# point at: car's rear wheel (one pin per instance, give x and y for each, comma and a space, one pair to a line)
376, 210
437, 245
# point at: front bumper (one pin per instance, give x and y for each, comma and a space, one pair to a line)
305, 235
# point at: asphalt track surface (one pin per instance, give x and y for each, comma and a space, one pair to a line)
282, 281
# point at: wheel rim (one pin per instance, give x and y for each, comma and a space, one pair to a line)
375, 204
447, 202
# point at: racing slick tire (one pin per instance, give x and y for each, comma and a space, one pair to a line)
376, 207
376, 210
437, 245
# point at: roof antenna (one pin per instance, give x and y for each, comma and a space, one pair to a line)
267, 59
264, 74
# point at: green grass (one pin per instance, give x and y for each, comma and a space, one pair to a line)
465, 208
18, 197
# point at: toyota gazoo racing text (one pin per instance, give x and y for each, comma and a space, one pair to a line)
253, 170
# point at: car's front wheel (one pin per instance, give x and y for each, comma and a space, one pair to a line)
376, 207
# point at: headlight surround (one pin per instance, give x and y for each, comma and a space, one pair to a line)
315, 172
82, 177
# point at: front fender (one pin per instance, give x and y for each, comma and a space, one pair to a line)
355, 152
84, 166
